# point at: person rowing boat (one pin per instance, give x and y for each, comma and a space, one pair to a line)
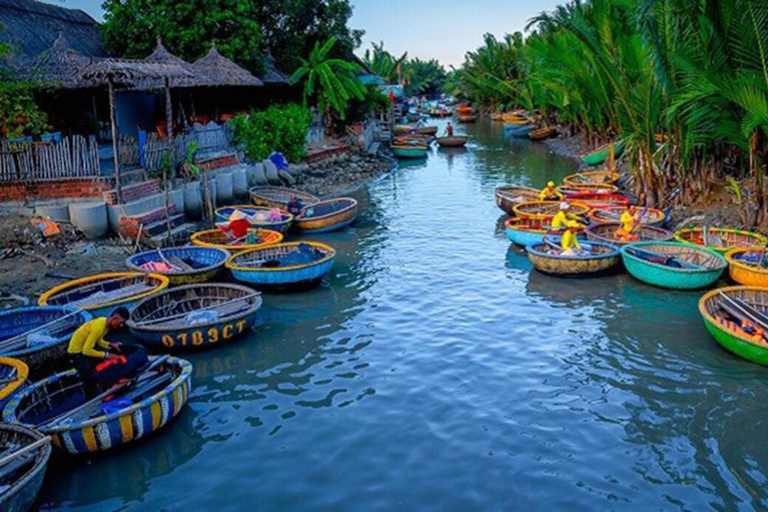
568, 224
239, 225
630, 221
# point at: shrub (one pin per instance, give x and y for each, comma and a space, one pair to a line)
279, 128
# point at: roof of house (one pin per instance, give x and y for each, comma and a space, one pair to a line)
272, 75
215, 70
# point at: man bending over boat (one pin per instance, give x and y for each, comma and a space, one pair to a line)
100, 363
550, 193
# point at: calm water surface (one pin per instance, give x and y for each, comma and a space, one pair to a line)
436, 371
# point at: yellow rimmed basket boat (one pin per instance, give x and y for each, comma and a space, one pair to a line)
721, 240
102, 293
606, 233
724, 311
596, 258
261, 214
218, 239
652, 216
748, 266
327, 216
283, 267
509, 195
187, 264
13, 375
599, 188
599, 177
279, 197
544, 210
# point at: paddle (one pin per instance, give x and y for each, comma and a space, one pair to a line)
665, 259
639, 219
741, 311
23, 451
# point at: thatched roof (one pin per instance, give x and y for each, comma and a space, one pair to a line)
215, 70
32, 27
272, 75
133, 74
59, 66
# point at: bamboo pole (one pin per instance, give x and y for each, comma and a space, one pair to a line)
115, 135
171, 153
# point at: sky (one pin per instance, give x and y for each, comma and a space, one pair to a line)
440, 29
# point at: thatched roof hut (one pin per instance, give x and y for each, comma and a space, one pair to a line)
272, 75
59, 66
134, 74
215, 70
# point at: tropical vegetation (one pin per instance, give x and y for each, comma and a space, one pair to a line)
280, 128
417, 76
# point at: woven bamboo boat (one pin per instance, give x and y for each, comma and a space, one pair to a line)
599, 199
600, 155
748, 266
282, 267
524, 232
13, 376
102, 293
721, 240
606, 233
464, 109
400, 129
546, 210
409, 152
189, 264
133, 413
598, 188
602, 177
283, 225
279, 197
426, 130
327, 216
510, 195
652, 216
673, 265
519, 131
195, 316
466, 118
452, 142
420, 141
543, 133
217, 239
515, 118
599, 257
22, 477
718, 314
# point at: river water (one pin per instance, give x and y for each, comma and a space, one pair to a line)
436, 371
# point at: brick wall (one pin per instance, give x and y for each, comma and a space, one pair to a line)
134, 192
54, 190
212, 164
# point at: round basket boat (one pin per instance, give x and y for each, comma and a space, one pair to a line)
600, 258
466, 118
597, 188
133, 413
452, 142
606, 233
546, 210
721, 240
283, 266
38, 336
218, 240
721, 309
102, 293
283, 225
426, 130
23, 477
279, 197
409, 152
592, 177
13, 376
524, 232
189, 264
510, 195
599, 199
748, 266
673, 265
195, 316
327, 216
652, 217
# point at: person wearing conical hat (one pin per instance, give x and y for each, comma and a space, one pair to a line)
550, 193
238, 225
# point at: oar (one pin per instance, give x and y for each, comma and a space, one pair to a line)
645, 255
744, 312
111, 391
165, 260
639, 219
23, 451
11, 342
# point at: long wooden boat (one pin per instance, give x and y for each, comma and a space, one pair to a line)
409, 152
102, 293
600, 155
603, 177
466, 118
724, 310
673, 265
518, 131
328, 215
195, 316
452, 142
543, 133
606, 233
217, 239
133, 413
508, 196
279, 197
13, 376
652, 216
515, 118
721, 240
38, 336
599, 199
524, 232
260, 217
283, 267
426, 130
598, 257
748, 266
22, 477
546, 210
188, 264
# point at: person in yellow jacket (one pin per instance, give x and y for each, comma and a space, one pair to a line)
570, 242
630, 221
564, 217
550, 193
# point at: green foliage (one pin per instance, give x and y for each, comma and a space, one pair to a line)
329, 82
374, 101
278, 128
383, 63
418, 76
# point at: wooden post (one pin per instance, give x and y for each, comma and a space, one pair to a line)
171, 154
115, 136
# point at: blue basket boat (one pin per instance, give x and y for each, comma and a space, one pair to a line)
22, 478
525, 232
673, 265
191, 264
195, 316
222, 215
133, 413
283, 266
38, 336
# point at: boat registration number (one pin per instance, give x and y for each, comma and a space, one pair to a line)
204, 336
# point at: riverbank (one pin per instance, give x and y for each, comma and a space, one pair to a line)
340, 174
